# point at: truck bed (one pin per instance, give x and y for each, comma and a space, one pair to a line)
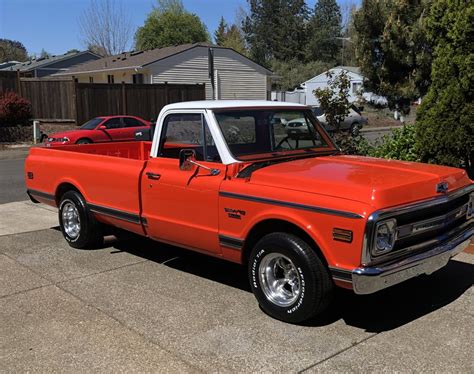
108, 175
133, 150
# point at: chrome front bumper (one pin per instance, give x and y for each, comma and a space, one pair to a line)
366, 280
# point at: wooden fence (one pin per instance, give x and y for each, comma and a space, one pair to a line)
66, 100
8, 81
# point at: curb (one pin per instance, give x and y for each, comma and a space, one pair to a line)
375, 129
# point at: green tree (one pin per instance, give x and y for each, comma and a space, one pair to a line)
334, 99
392, 49
276, 29
170, 24
220, 33
230, 37
325, 31
44, 53
12, 50
292, 73
445, 120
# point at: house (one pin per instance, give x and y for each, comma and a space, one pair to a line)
235, 76
42, 67
321, 81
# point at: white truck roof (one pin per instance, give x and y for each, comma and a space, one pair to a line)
219, 104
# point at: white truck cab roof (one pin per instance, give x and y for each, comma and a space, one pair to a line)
221, 104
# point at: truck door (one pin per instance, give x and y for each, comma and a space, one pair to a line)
181, 206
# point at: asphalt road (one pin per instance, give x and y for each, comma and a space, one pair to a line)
12, 184
141, 306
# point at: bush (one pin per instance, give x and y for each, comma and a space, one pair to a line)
399, 145
352, 145
14, 110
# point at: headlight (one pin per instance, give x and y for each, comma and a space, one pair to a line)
385, 235
51, 140
64, 140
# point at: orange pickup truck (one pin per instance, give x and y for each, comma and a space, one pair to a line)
232, 179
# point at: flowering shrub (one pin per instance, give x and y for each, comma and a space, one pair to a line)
14, 110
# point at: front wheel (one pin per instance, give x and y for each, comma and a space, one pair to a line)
84, 141
288, 279
78, 225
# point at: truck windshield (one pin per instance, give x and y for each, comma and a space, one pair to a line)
258, 133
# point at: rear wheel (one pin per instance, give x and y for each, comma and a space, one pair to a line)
84, 141
355, 129
78, 224
288, 279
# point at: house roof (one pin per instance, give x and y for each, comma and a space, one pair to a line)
352, 69
136, 59
43, 62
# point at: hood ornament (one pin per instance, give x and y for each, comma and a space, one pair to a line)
442, 187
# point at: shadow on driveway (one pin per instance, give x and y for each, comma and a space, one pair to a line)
382, 311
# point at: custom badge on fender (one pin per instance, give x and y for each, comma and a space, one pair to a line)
235, 213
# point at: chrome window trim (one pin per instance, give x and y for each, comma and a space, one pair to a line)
407, 208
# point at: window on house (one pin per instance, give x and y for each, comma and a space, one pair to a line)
91, 79
137, 78
110, 79
356, 86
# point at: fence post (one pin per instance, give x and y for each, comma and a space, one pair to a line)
74, 101
167, 93
35, 131
124, 99
18, 82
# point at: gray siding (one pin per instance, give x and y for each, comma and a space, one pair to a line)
236, 76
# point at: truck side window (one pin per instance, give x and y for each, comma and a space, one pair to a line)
185, 131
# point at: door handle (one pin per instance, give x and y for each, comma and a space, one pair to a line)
153, 176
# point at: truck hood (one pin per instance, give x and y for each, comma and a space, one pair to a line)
377, 182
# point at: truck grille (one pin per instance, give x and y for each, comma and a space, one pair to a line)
423, 225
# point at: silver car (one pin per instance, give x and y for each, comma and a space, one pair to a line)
352, 123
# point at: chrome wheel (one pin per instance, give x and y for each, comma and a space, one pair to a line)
280, 280
71, 220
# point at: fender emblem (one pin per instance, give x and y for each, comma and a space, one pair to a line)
234, 213
442, 187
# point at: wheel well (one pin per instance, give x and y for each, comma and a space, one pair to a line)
88, 139
276, 225
62, 189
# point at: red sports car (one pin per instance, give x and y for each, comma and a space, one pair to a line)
100, 130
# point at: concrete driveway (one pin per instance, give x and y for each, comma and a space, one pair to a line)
142, 306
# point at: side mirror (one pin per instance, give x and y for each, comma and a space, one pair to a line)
102, 127
187, 157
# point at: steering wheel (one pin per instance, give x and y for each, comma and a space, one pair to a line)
284, 140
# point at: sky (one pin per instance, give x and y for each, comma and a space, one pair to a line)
53, 24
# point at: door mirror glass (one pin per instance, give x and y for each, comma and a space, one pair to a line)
186, 159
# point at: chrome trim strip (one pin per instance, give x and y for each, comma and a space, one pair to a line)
41, 195
366, 280
230, 242
390, 212
286, 204
115, 213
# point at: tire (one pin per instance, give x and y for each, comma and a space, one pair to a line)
305, 290
355, 129
78, 225
84, 141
